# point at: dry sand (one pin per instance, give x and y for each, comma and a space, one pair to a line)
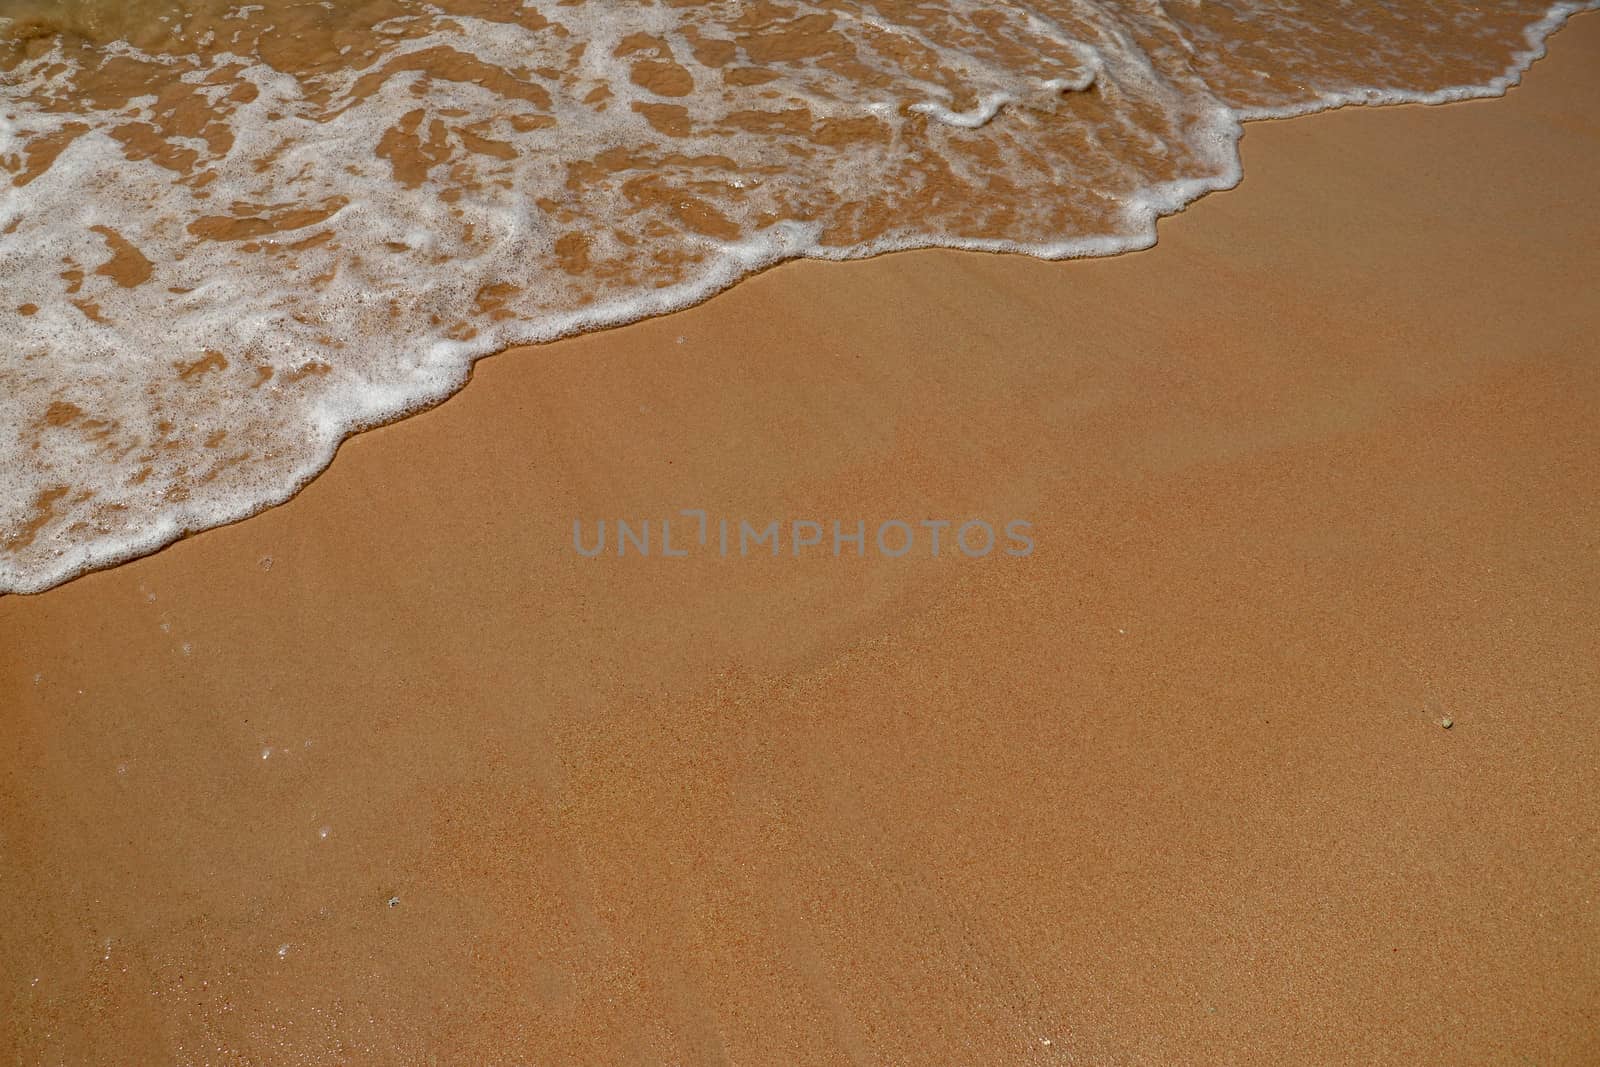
1315, 473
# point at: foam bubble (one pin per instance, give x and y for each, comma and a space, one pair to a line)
235, 234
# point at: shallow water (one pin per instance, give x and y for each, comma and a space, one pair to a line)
234, 234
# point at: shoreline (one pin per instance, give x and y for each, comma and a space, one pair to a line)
774, 250
390, 772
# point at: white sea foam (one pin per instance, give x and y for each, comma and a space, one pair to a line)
297, 252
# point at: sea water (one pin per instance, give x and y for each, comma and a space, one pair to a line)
232, 234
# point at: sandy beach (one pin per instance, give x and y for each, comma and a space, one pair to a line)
392, 773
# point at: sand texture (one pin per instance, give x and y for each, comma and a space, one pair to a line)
390, 774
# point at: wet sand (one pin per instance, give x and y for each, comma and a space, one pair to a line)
389, 774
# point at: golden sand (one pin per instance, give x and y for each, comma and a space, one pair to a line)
389, 775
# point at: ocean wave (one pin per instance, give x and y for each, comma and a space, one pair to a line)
234, 234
